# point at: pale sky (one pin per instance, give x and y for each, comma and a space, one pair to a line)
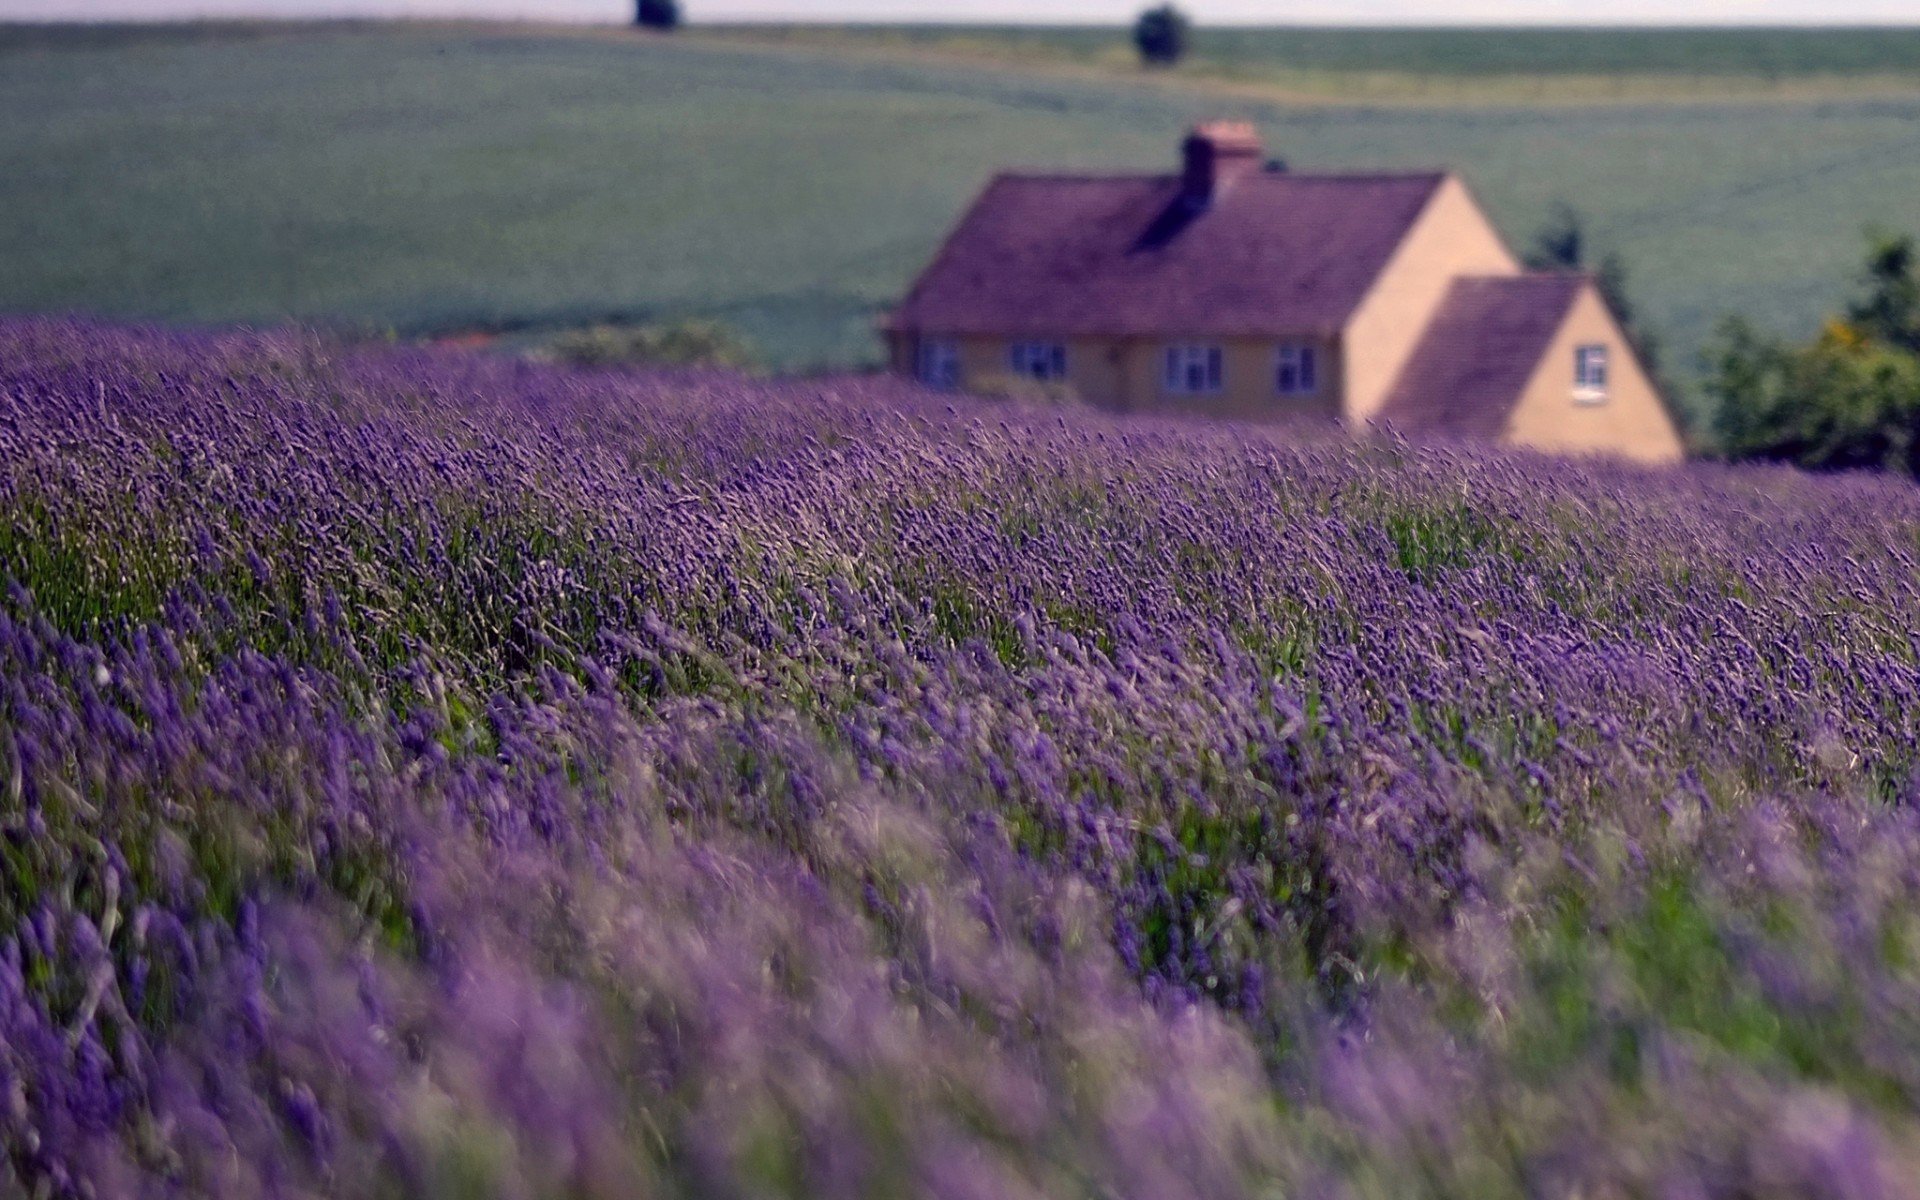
1344, 12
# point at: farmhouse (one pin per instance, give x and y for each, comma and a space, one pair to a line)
1238, 288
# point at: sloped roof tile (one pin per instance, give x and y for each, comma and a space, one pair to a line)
1466, 375
1276, 253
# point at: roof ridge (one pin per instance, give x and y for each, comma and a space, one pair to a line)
1371, 173
1536, 275
1038, 176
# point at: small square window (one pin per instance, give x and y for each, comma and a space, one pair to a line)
1590, 374
1193, 370
1298, 370
940, 364
1045, 362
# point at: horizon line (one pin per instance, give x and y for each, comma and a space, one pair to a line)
794, 19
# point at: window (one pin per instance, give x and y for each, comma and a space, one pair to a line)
1194, 369
1590, 374
940, 364
1298, 371
1044, 361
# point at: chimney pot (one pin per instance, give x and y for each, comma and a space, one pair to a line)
1218, 154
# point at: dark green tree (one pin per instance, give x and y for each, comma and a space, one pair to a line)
1889, 310
1850, 398
1161, 35
657, 14
1561, 243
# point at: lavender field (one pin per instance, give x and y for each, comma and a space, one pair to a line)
443, 776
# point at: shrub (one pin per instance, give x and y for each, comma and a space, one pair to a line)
1841, 402
681, 344
1850, 398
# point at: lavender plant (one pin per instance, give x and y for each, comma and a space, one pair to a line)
430, 775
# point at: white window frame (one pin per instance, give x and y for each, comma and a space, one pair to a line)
1194, 369
1302, 360
1042, 362
939, 365
1592, 366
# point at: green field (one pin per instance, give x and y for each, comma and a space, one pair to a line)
1435, 63
430, 178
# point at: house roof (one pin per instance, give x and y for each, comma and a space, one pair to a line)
1275, 253
1466, 375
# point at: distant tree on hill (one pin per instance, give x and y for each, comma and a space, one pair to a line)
1562, 245
1850, 398
1161, 34
657, 14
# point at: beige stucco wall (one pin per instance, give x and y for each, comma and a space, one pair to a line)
1127, 375
1248, 386
1452, 238
1632, 422
1093, 367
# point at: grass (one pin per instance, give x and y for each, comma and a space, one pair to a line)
427, 178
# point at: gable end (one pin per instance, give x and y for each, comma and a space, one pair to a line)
1452, 238
1630, 419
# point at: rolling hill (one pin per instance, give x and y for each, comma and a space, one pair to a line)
429, 179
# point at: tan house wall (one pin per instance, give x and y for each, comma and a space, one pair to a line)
1127, 375
1452, 238
1632, 422
1249, 389
1093, 367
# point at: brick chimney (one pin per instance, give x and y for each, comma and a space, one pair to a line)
1218, 154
